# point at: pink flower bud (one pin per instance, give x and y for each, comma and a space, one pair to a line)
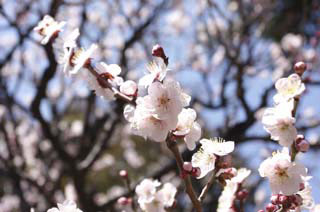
187, 166
196, 172
302, 145
260, 210
157, 51
300, 68
241, 195
271, 207
123, 173
123, 201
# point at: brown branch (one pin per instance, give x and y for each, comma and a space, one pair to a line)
173, 147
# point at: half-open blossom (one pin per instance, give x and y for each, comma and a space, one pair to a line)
206, 156
166, 100
109, 73
288, 88
278, 121
188, 127
203, 160
66, 206
217, 146
81, 57
284, 176
68, 46
157, 72
49, 28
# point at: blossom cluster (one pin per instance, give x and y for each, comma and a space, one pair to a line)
288, 178
152, 199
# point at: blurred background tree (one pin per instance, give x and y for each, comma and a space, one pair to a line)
59, 141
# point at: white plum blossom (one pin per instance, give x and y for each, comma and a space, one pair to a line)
288, 88
109, 73
157, 72
152, 200
285, 176
81, 57
166, 100
145, 124
146, 190
66, 206
167, 194
48, 28
129, 88
217, 146
228, 194
206, 156
203, 160
278, 121
67, 46
188, 127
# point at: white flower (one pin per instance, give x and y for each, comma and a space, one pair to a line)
80, 57
168, 193
66, 206
278, 121
67, 46
146, 190
228, 194
284, 176
158, 71
129, 88
109, 73
48, 28
291, 42
145, 124
242, 174
205, 157
217, 146
203, 160
165, 100
151, 200
188, 128
227, 197
288, 88
306, 194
